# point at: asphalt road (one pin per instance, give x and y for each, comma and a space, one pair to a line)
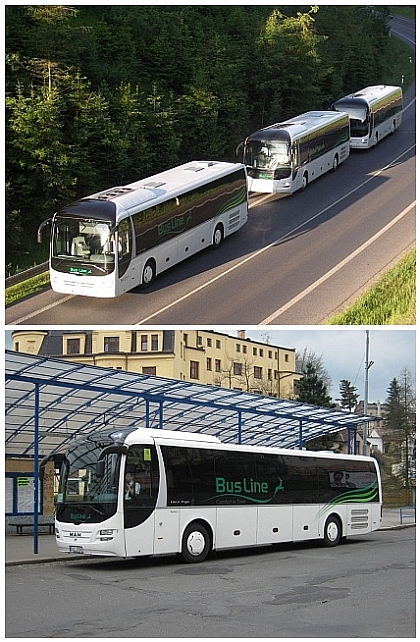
363, 588
298, 260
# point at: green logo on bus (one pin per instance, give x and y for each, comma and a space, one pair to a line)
84, 271
247, 489
175, 225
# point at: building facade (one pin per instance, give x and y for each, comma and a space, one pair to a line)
200, 356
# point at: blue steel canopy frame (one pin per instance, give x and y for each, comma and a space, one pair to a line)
73, 399
50, 402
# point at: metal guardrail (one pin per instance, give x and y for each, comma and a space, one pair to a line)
26, 274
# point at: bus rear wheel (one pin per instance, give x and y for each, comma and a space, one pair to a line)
332, 531
195, 543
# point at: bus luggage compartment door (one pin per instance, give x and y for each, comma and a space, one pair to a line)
236, 526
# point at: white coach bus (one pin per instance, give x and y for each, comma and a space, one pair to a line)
285, 157
110, 242
152, 492
374, 113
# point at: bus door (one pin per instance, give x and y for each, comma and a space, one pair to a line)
140, 490
295, 159
124, 249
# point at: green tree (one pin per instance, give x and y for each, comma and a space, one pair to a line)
311, 389
400, 424
292, 71
349, 396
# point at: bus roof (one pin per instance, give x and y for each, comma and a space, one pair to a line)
298, 125
371, 95
185, 438
110, 203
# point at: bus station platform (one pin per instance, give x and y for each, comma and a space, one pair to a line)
19, 549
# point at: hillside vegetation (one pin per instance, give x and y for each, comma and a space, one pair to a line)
98, 96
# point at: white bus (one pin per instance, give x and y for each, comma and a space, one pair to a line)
154, 492
110, 242
285, 157
374, 113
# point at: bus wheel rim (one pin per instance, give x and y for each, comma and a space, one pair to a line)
332, 531
196, 543
148, 274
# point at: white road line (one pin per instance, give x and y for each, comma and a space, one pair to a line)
338, 267
44, 309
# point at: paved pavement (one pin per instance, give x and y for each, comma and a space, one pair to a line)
20, 549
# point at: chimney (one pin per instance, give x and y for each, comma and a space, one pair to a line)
241, 334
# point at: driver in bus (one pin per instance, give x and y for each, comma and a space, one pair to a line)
132, 488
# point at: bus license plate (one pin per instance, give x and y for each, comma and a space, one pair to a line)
76, 549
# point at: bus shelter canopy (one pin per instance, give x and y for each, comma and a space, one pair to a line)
55, 401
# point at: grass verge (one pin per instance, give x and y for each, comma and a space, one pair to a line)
391, 301
21, 290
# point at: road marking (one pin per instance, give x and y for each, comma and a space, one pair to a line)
276, 242
44, 309
338, 267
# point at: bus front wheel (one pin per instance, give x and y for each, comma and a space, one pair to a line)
195, 543
304, 182
332, 531
149, 273
217, 236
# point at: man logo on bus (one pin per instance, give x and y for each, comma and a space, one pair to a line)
247, 489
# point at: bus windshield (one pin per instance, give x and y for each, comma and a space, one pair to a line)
84, 241
82, 495
274, 155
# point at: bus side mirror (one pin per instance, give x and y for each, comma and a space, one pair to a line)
40, 230
119, 449
100, 468
239, 150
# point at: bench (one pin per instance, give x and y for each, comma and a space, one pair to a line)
28, 524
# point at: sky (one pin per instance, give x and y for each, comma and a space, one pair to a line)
343, 352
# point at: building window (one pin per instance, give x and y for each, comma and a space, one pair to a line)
111, 344
244, 349
73, 346
16, 348
270, 354
208, 363
257, 372
238, 347
194, 370
144, 343
254, 352
286, 358
237, 368
261, 352
149, 370
155, 342
270, 374
218, 344
209, 342
199, 341
218, 365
